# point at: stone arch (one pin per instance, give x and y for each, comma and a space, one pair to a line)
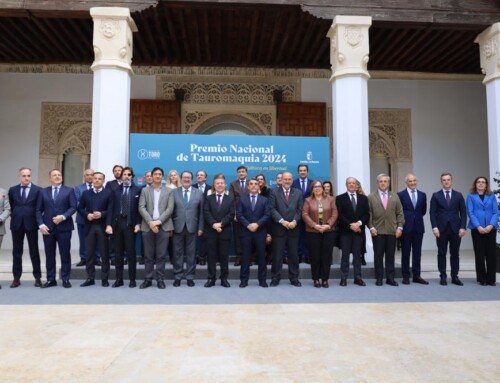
249, 125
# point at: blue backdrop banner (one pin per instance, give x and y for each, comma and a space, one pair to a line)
268, 155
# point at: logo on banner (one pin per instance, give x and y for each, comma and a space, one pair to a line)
309, 159
144, 154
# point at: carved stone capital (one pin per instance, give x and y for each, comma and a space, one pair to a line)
489, 48
113, 43
349, 48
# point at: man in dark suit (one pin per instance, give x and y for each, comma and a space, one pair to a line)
23, 199
414, 204
253, 214
188, 224
201, 185
218, 213
354, 213
124, 221
237, 188
449, 224
303, 183
94, 206
54, 209
286, 212
88, 176
112, 186
4, 214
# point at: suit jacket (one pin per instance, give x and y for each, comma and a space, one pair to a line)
191, 215
212, 214
165, 206
133, 216
482, 212
290, 210
441, 214
310, 213
386, 221
4, 210
347, 215
207, 188
112, 185
23, 214
91, 202
80, 219
414, 216
235, 190
260, 214
47, 208
297, 185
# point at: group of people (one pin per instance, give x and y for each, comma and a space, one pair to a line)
193, 222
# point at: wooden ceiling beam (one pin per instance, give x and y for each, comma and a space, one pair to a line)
306, 41
273, 41
176, 50
291, 22
13, 45
441, 47
196, 36
206, 34
413, 50
185, 38
31, 42
62, 27
161, 36
253, 35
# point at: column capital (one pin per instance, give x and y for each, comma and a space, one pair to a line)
489, 48
349, 46
113, 42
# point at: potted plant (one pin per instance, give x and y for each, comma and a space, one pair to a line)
497, 194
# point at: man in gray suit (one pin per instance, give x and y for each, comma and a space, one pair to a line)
188, 224
4, 213
156, 205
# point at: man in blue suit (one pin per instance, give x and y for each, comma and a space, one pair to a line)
54, 209
253, 213
449, 222
303, 183
414, 208
23, 198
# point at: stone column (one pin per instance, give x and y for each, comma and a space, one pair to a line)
349, 56
113, 29
489, 44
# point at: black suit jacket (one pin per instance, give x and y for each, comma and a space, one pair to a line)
290, 210
112, 185
455, 214
23, 214
133, 216
347, 215
213, 214
91, 202
205, 191
260, 215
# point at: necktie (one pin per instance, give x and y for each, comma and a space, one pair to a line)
253, 203
286, 195
89, 186
125, 201
219, 202
242, 185
202, 188
448, 198
303, 187
23, 196
186, 197
353, 202
384, 200
56, 193
413, 199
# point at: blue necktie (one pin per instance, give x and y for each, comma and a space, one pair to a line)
253, 203
413, 199
56, 193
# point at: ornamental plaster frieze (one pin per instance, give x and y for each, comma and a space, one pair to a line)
390, 133
489, 43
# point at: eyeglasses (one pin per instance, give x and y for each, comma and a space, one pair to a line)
260, 179
480, 182
318, 186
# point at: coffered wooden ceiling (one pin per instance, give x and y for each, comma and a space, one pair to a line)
425, 36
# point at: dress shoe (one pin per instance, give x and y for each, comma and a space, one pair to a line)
285, 261
161, 285
359, 282
243, 284
132, 284
363, 260
118, 283
274, 283
125, 261
457, 281
325, 284
146, 284
263, 284
391, 282
49, 284
38, 282
81, 263
296, 283
317, 284
306, 260
224, 283
343, 282
98, 263
420, 280
492, 283
112, 262
67, 284
15, 283
443, 282
483, 283
88, 282
177, 283
406, 281
190, 283
141, 261
210, 283
203, 262
379, 282
104, 283
237, 262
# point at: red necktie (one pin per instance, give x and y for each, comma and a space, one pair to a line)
286, 195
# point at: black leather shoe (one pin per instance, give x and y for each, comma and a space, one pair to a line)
492, 284
343, 282
112, 262
420, 280
243, 284
88, 282
66, 284
274, 283
379, 282
49, 284
359, 282
224, 283
146, 284
483, 283
118, 283
363, 260
98, 263
81, 263
210, 283
203, 262
263, 284
161, 285
457, 281
15, 283
296, 283
38, 282
237, 262
406, 281
104, 283
177, 283
141, 261
190, 283
132, 284
443, 282
392, 282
